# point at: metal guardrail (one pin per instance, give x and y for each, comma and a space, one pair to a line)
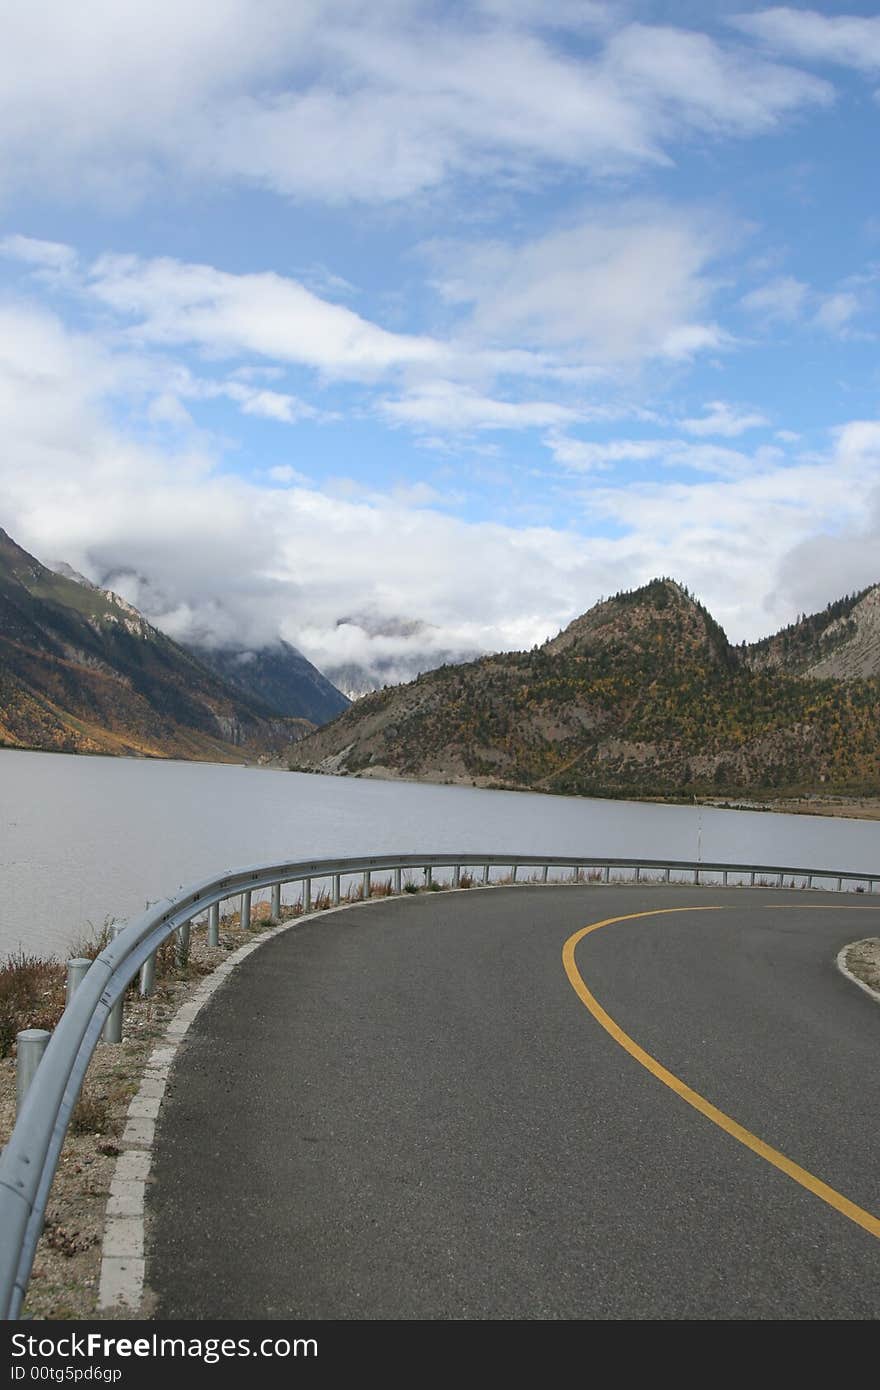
29, 1160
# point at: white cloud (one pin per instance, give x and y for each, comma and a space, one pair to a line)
720, 461
172, 302
283, 473
54, 255
344, 101
160, 526
572, 307
851, 40
621, 286
731, 539
836, 311
271, 405
785, 300
825, 565
449, 405
689, 77
587, 456
724, 420
168, 409
780, 300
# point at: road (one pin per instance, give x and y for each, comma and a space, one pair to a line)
408, 1110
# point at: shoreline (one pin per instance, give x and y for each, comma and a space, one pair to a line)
834, 804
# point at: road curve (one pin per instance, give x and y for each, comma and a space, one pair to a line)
406, 1111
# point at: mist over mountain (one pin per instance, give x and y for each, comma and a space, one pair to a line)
389, 651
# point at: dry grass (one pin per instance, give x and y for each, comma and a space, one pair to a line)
31, 996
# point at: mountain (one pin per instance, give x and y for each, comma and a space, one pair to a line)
642, 695
81, 670
840, 643
279, 676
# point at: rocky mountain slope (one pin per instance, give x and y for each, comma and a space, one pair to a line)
642, 695
83, 671
840, 643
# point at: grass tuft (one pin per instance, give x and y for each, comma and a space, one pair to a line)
31, 996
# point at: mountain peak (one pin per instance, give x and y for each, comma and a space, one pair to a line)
659, 617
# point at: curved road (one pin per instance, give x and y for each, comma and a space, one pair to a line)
407, 1110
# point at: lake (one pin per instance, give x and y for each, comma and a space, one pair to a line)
85, 838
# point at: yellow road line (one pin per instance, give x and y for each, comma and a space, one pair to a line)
835, 1199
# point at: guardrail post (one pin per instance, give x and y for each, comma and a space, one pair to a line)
638, 873
275, 905
147, 978
544, 872
456, 876
606, 874
112, 1032
724, 878
307, 895
367, 887
840, 885
668, 875
336, 894
513, 869
485, 874
76, 973
779, 880
246, 910
31, 1043
214, 925
752, 879
696, 876
181, 947
398, 880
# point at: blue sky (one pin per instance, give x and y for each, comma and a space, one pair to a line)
316, 318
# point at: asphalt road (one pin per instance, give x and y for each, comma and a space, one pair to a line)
406, 1111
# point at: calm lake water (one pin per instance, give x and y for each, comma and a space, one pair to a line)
83, 839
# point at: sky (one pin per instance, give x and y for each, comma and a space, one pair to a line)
401, 328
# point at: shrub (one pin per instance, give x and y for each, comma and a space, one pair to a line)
31, 996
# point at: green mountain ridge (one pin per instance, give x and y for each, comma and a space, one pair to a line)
642, 695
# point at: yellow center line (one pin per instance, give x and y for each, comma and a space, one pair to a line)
820, 1189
